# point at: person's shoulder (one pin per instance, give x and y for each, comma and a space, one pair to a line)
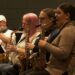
69, 27
9, 30
68, 31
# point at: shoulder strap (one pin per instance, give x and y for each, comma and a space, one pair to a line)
55, 33
52, 36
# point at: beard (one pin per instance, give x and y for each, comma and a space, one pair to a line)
3, 28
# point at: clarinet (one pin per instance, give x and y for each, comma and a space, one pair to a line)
38, 59
42, 52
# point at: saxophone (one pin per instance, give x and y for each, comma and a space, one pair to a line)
8, 53
24, 58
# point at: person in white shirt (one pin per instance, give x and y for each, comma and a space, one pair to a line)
5, 34
6, 37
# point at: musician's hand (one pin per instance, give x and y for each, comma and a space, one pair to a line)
42, 43
0, 41
4, 38
46, 38
30, 45
11, 48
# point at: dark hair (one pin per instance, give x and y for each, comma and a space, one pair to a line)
68, 8
51, 15
50, 12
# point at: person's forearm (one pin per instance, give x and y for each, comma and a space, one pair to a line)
58, 52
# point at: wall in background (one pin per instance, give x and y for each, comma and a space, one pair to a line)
14, 9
